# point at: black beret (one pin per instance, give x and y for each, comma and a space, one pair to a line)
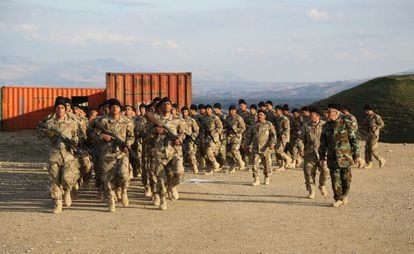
261, 111
209, 106
156, 100
60, 100
217, 105
269, 102
315, 110
334, 106
105, 103
368, 107
184, 108
193, 107
201, 106
242, 101
232, 107
285, 107
253, 106
278, 107
142, 105
262, 104
295, 110
132, 107
113, 102
164, 100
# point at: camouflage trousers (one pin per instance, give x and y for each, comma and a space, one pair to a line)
221, 153
310, 167
266, 159
63, 174
371, 149
189, 153
201, 153
293, 148
137, 163
341, 180
281, 155
212, 150
170, 170
115, 173
233, 148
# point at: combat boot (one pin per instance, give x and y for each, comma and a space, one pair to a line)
100, 195
345, 200
125, 200
369, 165
174, 193
210, 172
267, 180
111, 205
381, 162
337, 203
312, 192
361, 163
256, 181
281, 169
232, 170
299, 162
323, 190
148, 192
68, 198
163, 203
118, 194
195, 170
58, 207
156, 199
242, 165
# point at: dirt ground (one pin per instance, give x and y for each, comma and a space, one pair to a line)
220, 213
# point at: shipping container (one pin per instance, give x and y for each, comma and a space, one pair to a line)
136, 88
24, 107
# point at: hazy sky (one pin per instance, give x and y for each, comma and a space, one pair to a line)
262, 40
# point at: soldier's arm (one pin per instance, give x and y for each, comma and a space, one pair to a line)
300, 142
249, 136
323, 145
286, 127
218, 127
130, 137
241, 127
180, 131
272, 135
353, 141
195, 129
379, 122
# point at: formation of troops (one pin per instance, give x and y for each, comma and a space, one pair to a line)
159, 141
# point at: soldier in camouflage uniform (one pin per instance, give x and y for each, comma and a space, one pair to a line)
244, 113
372, 125
250, 121
270, 113
115, 155
261, 137
212, 130
304, 111
339, 148
282, 125
234, 128
354, 124
308, 143
295, 129
168, 160
200, 141
63, 165
140, 123
222, 153
191, 131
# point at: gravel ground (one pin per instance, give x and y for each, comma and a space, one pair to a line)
220, 213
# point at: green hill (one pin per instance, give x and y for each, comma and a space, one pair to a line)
393, 98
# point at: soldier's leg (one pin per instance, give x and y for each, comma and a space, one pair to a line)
161, 172
123, 173
211, 156
55, 185
368, 150
235, 152
139, 156
323, 179
192, 157
335, 172
346, 178
374, 149
177, 171
267, 169
70, 177
307, 172
109, 171
256, 169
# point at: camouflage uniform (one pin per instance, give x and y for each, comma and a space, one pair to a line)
222, 153
244, 115
168, 156
295, 129
308, 142
63, 165
213, 129
200, 142
235, 128
191, 131
261, 136
372, 126
339, 145
140, 123
115, 162
282, 126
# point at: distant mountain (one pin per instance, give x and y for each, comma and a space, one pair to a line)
392, 97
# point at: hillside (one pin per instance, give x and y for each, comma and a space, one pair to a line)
393, 97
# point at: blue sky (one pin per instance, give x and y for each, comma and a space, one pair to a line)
261, 40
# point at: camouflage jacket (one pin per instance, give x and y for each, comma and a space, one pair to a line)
352, 119
235, 128
212, 128
244, 114
295, 127
123, 128
140, 128
164, 144
282, 126
261, 136
270, 116
190, 129
309, 140
339, 143
69, 128
372, 125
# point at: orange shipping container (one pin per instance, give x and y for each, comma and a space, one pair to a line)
136, 88
24, 107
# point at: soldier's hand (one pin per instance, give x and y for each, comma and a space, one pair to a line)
50, 133
272, 146
160, 131
302, 153
322, 163
177, 142
126, 150
106, 137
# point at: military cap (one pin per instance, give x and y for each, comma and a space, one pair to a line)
60, 100
184, 108
242, 101
295, 110
232, 107
217, 105
175, 105
193, 107
209, 106
334, 106
285, 107
269, 102
368, 107
304, 108
201, 106
112, 102
253, 106
278, 107
315, 110
262, 104
142, 105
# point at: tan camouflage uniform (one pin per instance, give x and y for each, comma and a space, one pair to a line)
191, 131
282, 126
372, 126
212, 130
235, 128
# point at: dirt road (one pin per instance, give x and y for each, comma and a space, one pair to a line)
221, 213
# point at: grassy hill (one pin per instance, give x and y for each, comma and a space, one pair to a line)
393, 98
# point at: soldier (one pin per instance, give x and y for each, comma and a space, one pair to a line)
339, 148
282, 125
129, 111
261, 137
200, 141
270, 113
295, 128
354, 124
308, 143
262, 106
63, 165
117, 133
93, 113
222, 153
174, 111
212, 129
372, 125
252, 118
138, 168
235, 128
193, 111
191, 131
304, 111
168, 157
244, 113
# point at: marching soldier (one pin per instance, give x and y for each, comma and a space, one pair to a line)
235, 128
372, 125
191, 131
